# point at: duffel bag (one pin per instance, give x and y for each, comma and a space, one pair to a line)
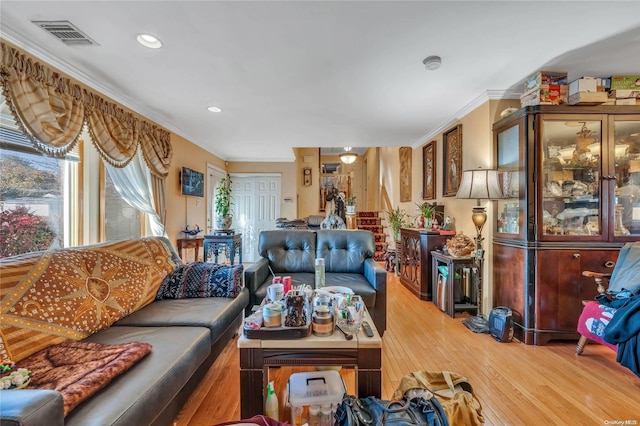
372, 411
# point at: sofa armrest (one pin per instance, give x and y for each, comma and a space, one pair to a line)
377, 277
254, 276
31, 407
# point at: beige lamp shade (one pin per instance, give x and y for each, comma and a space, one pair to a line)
479, 184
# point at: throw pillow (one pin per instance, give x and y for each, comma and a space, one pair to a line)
201, 279
80, 369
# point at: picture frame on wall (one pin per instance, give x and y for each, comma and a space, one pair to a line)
405, 173
452, 161
429, 171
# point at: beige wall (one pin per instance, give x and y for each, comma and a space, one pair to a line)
185, 210
289, 181
308, 196
477, 151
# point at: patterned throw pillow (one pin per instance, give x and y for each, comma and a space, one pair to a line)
201, 279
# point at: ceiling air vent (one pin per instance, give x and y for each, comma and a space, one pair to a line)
66, 32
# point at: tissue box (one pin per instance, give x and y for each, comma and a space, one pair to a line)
547, 94
535, 81
313, 388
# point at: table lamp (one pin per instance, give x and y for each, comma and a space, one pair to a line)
479, 184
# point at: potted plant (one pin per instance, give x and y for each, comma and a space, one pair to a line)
351, 204
222, 204
397, 219
428, 213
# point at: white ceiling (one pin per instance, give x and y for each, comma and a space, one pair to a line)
324, 73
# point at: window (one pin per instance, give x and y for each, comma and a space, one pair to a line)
37, 198
120, 220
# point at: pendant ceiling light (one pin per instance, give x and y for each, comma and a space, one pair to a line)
348, 157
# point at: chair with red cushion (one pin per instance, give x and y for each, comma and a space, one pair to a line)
623, 282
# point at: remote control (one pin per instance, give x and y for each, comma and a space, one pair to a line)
367, 329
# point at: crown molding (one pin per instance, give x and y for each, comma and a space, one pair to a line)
10, 35
479, 100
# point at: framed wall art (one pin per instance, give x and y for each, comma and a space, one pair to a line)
405, 173
429, 171
452, 161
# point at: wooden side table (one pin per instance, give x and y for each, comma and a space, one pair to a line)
414, 253
189, 243
228, 241
443, 291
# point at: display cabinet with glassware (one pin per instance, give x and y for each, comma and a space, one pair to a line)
571, 184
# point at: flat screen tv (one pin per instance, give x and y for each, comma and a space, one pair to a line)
192, 182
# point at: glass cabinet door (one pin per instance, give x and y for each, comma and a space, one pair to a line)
626, 163
570, 177
509, 169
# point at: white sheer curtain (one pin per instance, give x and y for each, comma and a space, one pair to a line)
133, 183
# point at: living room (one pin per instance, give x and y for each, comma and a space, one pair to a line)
476, 116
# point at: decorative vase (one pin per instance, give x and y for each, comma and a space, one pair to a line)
351, 209
223, 223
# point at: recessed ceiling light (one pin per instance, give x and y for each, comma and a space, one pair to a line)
147, 40
214, 109
432, 62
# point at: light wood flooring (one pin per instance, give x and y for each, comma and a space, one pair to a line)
517, 384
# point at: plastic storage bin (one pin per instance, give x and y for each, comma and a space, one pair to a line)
314, 388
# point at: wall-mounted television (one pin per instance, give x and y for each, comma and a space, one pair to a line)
192, 182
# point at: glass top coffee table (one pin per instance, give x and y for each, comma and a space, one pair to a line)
257, 355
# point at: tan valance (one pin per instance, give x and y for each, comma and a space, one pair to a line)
51, 111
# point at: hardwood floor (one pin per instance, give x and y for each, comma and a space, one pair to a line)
517, 384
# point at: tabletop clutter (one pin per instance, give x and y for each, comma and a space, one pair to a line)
321, 309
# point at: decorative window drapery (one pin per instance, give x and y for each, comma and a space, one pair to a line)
51, 111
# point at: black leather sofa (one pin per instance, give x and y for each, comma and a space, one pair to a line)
348, 258
187, 335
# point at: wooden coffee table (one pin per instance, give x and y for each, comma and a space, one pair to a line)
257, 355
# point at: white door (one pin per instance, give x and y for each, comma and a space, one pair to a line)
256, 206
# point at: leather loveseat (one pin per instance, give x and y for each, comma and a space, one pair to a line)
186, 335
348, 256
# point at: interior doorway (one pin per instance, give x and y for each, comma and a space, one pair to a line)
256, 206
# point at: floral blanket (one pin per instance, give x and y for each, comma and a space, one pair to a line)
80, 369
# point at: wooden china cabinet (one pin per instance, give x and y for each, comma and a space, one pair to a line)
571, 181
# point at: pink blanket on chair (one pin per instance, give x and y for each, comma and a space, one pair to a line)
593, 320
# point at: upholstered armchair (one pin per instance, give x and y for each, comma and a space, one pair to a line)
613, 318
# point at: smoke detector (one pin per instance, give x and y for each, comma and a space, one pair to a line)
66, 32
432, 62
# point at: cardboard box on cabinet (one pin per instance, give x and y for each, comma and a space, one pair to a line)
583, 84
625, 82
536, 80
547, 94
588, 98
629, 101
621, 94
